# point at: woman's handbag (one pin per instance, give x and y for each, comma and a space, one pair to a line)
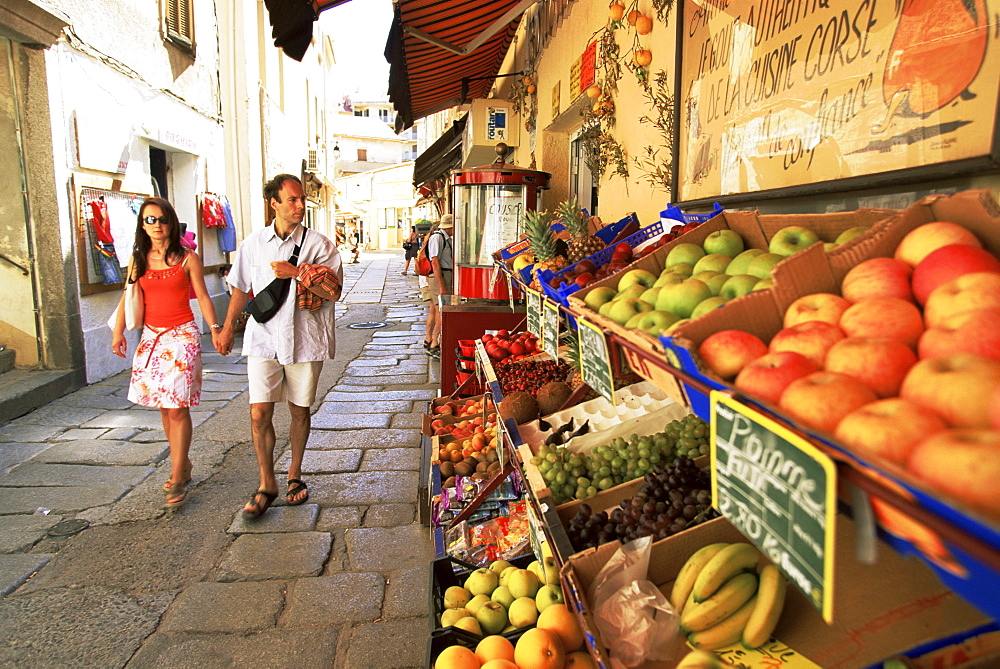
267, 302
133, 305
407, 246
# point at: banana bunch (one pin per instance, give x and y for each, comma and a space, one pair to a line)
728, 593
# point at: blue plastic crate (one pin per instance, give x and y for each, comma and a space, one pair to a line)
675, 213
605, 234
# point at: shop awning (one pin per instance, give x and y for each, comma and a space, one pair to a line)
436, 45
443, 155
291, 23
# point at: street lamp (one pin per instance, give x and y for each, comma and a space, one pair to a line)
336, 157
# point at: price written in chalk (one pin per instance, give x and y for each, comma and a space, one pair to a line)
595, 362
533, 304
550, 327
780, 491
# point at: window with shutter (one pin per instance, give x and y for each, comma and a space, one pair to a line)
362, 154
178, 22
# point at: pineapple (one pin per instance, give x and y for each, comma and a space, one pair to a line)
543, 244
581, 244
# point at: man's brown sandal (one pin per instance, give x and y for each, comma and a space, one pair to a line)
295, 486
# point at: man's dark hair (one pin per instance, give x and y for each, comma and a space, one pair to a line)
272, 189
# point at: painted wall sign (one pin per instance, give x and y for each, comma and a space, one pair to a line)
779, 93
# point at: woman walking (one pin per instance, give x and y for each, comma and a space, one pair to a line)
166, 368
411, 246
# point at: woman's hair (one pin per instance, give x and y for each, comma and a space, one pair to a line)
143, 244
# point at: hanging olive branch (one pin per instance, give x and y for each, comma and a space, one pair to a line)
656, 162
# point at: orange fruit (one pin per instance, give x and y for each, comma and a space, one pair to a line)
558, 619
593, 91
616, 11
531, 89
495, 647
539, 649
643, 24
456, 657
580, 660
643, 57
499, 664
632, 16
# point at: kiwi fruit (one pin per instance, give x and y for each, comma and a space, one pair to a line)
482, 467
447, 469
492, 456
449, 482
463, 469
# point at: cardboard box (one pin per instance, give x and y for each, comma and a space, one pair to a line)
879, 609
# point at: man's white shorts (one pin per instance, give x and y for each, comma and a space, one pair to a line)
271, 381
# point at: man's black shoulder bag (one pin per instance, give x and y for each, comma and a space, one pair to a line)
266, 304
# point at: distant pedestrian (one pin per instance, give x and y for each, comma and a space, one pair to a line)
166, 369
285, 354
410, 246
440, 282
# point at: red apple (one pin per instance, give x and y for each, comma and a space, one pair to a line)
994, 409
821, 399
888, 428
810, 338
965, 332
964, 463
767, 377
881, 364
584, 279
816, 307
948, 263
877, 277
884, 317
929, 237
969, 292
728, 351
956, 387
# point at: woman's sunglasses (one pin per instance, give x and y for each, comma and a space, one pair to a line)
153, 220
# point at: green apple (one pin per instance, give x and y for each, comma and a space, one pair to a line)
791, 240
656, 321
623, 309
451, 616
851, 233
829, 246
470, 624
456, 597
727, 242
682, 298
492, 617
636, 277
506, 574
635, 290
606, 307
742, 261
715, 283
668, 278
482, 582
764, 283
499, 565
684, 253
522, 612
503, 596
707, 305
550, 572
633, 322
598, 296
685, 268
714, 262
741, 284
477, 601
760, 266
547, 596
649, 296
523, 583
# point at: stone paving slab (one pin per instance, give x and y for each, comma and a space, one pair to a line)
388, 644
391, 459
20, 434
373, 362
217, 368
91, 627
407, 593
334, 600
103, 452
123, 433
104, 402
15, 454
42, 475
323, 462
80, 433
19, 533
339, 517
363, 439
359, 380
366, 488
328, 419
357, 389
225, 608
361, 405
58, 500
149, 436
390, 515
411, 395
387, 549
315, 647
212, 396
411, 372
394, 335
61, 416
15, 570
301, 518
261, 557
127, 418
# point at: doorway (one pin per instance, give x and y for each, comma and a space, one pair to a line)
581, 181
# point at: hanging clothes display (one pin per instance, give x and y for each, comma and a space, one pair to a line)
108, 265
227, 233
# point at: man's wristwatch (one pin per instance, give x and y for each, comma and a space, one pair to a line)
215, 326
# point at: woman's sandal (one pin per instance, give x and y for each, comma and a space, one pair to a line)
187, 478
295, 486
176, 496
259, 509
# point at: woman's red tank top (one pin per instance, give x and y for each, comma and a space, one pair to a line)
166, 296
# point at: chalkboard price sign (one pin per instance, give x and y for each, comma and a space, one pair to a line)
594, 359
533, 303
550, 327
780, 491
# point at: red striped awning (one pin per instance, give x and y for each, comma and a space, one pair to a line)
436, 44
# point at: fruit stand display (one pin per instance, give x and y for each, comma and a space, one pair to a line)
836, 403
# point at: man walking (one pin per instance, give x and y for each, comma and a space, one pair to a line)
284, 354
439, 252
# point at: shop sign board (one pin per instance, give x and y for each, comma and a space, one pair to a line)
780, 491
533, 307
779, 94
595, 363
550, 327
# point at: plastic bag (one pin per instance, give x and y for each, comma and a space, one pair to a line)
631, 610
